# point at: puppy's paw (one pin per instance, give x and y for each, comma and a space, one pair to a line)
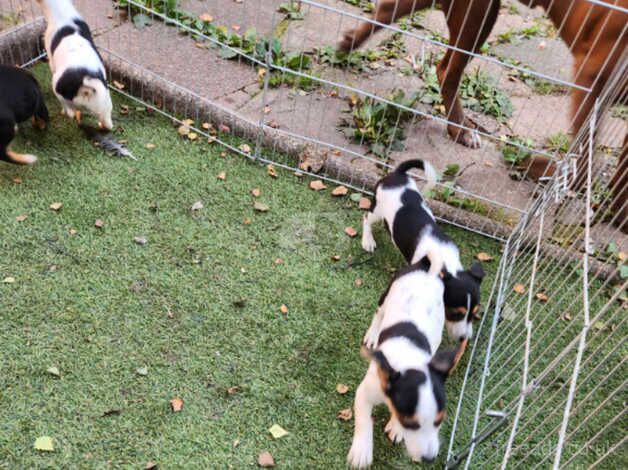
393, 430
361, 453
368, 243
371, 337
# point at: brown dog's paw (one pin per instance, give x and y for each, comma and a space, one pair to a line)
468, 138
348, 42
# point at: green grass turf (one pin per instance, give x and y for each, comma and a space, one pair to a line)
199, 305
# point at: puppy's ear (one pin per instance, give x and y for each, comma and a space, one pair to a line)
387, 374
477, 271
445, 275
86, 92
443, 362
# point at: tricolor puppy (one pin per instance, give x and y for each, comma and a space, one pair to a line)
413, 229
20, 99
78, 73
405, 371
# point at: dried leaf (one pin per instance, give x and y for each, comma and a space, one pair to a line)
260, 206
566, 316
150, 146
142, 370
542, 296
197, 206
233, 390
345, 415
183, 130
246, 221
519, 288
484, 257
113, 412
256, 192
140, 240
206, 17
236, 443
340, 191
73, 231
271, 171
118, 85
17, 180
265, 459
267, 109
192, 136
283, 309
351, 231
99, 223
245, 148
358, 282
222, 176
176, 404
335, 258
365, 203
278, 261
188, 122
53, 371
207, 126
44, 443
277, 431
21, 218
342, 389
317, 185
150, 465
55, 206
8, 280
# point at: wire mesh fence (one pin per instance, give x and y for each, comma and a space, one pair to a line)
545, 378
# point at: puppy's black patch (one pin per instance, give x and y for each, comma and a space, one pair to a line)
72, 79
462, 291
407, 330
84, 31
61, 33
438, 388
404, 392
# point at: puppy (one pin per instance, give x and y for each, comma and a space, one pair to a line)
413, 229
78, 73
405, 371
20, 99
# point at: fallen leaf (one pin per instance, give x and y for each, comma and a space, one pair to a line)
206, 17
283, 309
246, 221
271, 171
142, 370
21, 218
17, 180
277, 431
278, 261
345, 415
317, 185
566, 316
358, 282
339, 191
197, 206
336, 152
176, 404
599, 326
621, 256
223, 154
256, 192
222, 176
260, 206
233, 390
335, 258
482, 256
55, 206
150, 146
118, 85
188, 122
8, 280
235, 27
273, 124
365, 203
44, 443
73, 231
99, 223
207, 126
192, 136
236, 443
542, 296
140, 240
267, 109
350, 231
265, 460
519, 288
183, 130
211, 139
150, 465
53, 371
342, 389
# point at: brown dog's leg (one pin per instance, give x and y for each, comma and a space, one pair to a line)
467, 31
386, 12
619, 189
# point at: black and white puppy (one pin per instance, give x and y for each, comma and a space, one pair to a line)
20, 99
406, 372
78, 73
413, 229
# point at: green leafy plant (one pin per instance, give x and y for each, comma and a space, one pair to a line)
378, 123
558, 142
291, 9
515, 155
480, 92
365, 5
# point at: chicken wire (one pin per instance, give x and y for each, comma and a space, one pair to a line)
544, 385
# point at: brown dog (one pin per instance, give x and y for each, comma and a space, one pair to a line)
595, 34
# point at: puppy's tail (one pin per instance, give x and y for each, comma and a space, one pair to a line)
430, 173
437, 263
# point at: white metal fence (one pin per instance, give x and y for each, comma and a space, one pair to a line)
545, 382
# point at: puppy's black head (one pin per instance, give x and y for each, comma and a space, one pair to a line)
462, 293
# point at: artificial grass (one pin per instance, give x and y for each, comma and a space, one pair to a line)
198, 305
